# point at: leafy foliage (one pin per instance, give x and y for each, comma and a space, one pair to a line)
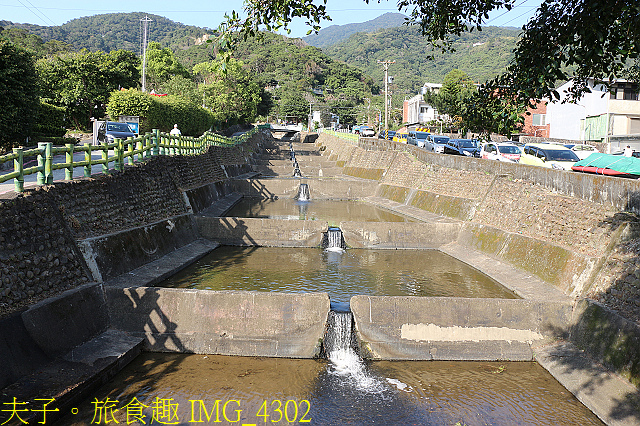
33, 43
113, 31
50, 121
452, 97
161, 66
579, 39
160, 112
18, 94
481, 55
81, 82
337, 33
232, 96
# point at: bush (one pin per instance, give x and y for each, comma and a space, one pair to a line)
160, 112
49, 121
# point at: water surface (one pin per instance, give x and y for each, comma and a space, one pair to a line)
400, 393
356, 271
332, 211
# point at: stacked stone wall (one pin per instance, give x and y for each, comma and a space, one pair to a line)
39, 256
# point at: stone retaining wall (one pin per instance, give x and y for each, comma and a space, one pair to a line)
39, 256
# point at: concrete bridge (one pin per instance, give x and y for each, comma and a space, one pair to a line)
558, 240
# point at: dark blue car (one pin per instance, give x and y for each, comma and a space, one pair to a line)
466, 147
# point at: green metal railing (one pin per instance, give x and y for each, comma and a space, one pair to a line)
127, 151
352, 137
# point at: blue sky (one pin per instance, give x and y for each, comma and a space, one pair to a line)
209, 13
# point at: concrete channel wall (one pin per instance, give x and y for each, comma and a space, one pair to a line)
565, 230
446, 328
226, 322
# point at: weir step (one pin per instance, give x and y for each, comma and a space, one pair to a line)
75, 376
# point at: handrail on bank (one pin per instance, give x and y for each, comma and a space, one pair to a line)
129, 151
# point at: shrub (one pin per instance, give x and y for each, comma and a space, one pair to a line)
160, 112
50, 121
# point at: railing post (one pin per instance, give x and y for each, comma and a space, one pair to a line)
48, 163
139, 149
105, 157
18, 165
130, 150
87, 159
40, 177
68, 172
156, 142
119, 166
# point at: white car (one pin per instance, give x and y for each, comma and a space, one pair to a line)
582, 150
507, 152
367, 132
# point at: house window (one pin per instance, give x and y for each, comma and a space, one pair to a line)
539, 119
631, 93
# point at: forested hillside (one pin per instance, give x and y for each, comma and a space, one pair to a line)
336, 33
482, 55
115, 31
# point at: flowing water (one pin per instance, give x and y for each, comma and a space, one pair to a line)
291, 391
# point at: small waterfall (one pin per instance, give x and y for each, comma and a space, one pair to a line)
333, 240
296, 172
339, 347
303, 192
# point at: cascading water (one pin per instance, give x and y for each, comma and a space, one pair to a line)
339, 347
303, 192
333, 240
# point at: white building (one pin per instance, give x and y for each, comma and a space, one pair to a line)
416, 110
596, 116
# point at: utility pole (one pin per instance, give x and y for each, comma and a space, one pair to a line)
386, 93
145, 22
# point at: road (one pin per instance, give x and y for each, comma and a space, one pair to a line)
58, 175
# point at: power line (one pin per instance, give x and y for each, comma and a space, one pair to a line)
40, 15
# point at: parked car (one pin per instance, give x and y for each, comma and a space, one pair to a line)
549, 155
389, 136
417, 138
367, 131
436, 143
582, 150
111, 130
503, 151
400, 137
467, 147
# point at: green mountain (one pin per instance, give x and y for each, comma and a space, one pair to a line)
481, 54
113, 31
337, 33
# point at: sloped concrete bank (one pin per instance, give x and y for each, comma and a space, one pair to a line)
562, 231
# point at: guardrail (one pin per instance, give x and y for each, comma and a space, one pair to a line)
351, 137
127, 151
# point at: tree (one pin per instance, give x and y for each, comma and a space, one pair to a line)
496, 112
18, 94
292, 104
184, 87
81, 82
565, 39
456, 89
161, 65
228, 91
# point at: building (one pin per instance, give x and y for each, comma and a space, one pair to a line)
535, 121
416, 110
597, 116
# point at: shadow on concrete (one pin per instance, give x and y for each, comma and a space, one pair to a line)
261, 190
